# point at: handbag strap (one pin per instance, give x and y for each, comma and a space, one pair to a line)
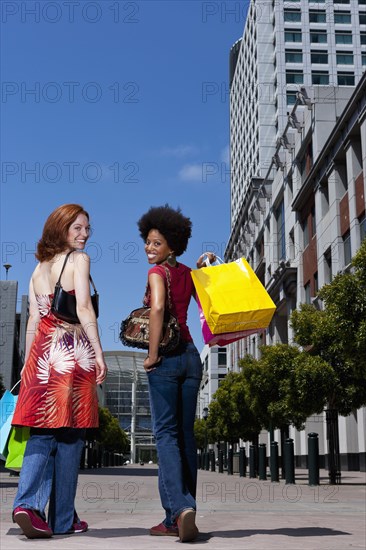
62, 270
147, 293
167, 273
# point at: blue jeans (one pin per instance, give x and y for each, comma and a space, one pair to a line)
49, 473
173, 389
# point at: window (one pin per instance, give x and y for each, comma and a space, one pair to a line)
328, 266
363, 38
346, 79
324, 190
307, 293
294, 77
293, 56
347, 248
320, 78
291, 98
319, 57
340, 1
363, 56
362, 18
342, 17
293, 16
313, 221
344, 58
343, 37
293, 35
318, 37
281, 239
362, 222
316, 16
221, 357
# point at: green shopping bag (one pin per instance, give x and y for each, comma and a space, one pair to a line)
7, 408
17, 442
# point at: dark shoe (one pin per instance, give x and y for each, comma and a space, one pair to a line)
187, 525
162, 531
33, 526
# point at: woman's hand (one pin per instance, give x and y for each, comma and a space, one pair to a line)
210, 255
100, 369
150, 363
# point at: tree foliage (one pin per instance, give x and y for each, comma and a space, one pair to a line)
110, 434
337, 334
230, 416
285, 385
203, 433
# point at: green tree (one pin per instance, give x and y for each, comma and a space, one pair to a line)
336, 335
110, 434
285, 386
203, 433
230, 416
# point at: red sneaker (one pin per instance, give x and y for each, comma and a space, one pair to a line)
162, 531
34, 527
79, 526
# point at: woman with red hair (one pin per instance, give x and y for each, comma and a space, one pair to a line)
63, 365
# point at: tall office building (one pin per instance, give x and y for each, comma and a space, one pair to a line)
298, 167
285, 45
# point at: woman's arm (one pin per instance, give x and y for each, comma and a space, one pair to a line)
157, 303
32, 323
85, 310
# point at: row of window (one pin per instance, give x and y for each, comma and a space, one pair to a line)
320, 16
320, 36
318, 57
361, 2
347, 252
320, 77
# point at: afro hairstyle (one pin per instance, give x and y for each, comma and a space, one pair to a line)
171, 223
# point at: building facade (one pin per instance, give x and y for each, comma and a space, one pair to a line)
12, 332
126, 395
298, 150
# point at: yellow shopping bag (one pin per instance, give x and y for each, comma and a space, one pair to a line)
232, 297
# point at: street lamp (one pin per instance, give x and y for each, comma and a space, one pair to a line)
7, 267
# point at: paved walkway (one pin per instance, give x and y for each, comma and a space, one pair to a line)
121, 503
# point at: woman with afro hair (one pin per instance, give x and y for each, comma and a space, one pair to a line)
174, 379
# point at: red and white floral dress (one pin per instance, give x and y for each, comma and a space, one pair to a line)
58, 387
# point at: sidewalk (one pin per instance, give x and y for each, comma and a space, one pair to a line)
121, 503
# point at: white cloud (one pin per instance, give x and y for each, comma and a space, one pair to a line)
179, 152
191, 172
225, 154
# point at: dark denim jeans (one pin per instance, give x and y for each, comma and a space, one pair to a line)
50, 472
173, 388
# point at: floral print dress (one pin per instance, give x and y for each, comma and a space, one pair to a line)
58, 387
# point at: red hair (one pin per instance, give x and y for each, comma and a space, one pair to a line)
55, 230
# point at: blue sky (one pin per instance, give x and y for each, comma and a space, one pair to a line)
117, 106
